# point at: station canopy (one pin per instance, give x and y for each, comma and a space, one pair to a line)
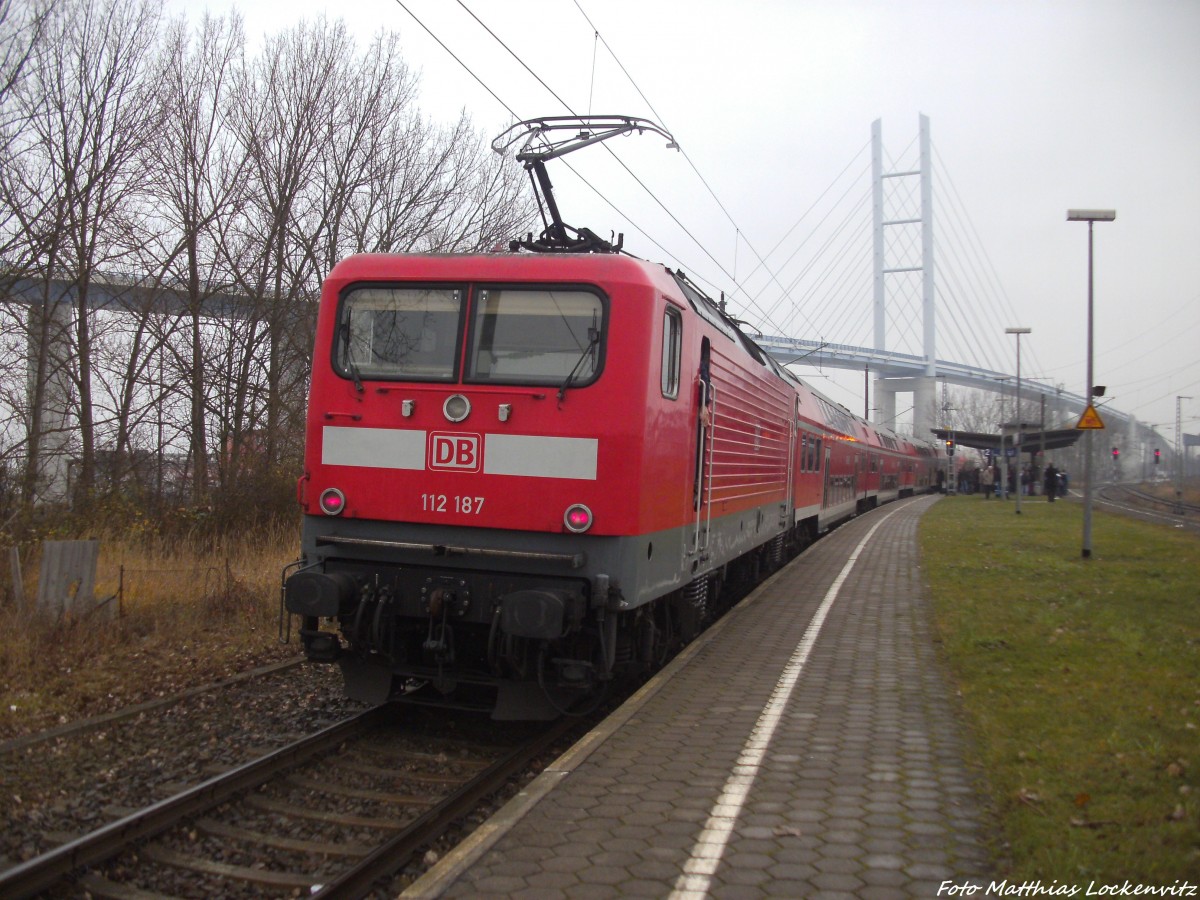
1033, 438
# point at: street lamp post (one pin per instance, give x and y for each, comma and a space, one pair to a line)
1002, 465
1180, 452
1091, 216
1018, 332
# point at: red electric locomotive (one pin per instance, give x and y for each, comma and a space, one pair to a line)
529, 473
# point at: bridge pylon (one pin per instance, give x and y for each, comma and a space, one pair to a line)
50, 395
923, 387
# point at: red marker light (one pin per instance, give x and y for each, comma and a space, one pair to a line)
578, 518
332, 501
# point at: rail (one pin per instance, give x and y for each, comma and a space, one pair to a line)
41, 872
373, 863
397, 852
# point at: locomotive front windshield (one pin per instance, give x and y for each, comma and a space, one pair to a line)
399, 333
526, 335
535, 336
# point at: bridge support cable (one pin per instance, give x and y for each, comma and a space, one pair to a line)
835, 268
987, 287
851, 217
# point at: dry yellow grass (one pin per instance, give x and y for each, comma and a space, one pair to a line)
187, 615
1166, 490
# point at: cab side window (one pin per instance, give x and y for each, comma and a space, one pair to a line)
671, 347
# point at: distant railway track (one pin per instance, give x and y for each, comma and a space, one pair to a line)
81, 726
328, 815
1136, 502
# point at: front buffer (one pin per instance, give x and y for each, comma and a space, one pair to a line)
500, 623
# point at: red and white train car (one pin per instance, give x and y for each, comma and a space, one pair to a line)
526, 474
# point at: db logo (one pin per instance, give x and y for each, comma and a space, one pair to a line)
459, 452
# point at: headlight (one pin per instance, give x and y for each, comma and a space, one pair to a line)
456, 408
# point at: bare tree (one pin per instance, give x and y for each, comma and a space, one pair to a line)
198, 183
207, 178
89, 115
404, 187
974, 410
436, 190
292, 95
493, 203
127, 357
21, 28
360, 144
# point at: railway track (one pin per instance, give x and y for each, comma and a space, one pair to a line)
156, 706
328, 816
1169, 504
1136, 502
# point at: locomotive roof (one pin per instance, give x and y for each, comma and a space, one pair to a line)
523, 266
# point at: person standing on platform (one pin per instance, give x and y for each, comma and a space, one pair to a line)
988, 481
1051, 482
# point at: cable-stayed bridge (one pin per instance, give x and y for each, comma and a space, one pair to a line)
926, 313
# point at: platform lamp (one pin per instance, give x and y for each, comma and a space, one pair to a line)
1180, 452
1018, 332
1091, 216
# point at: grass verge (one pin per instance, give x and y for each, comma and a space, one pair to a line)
189, 614
1081, 682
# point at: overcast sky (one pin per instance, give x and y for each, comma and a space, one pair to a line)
1036, 106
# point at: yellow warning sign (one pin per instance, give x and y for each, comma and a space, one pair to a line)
1089, 419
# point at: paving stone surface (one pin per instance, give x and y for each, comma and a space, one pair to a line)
862, 790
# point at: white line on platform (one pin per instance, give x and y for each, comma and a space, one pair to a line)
696, 879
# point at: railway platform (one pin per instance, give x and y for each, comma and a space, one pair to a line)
808, 745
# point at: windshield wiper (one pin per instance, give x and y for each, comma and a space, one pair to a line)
593, 342
350, 364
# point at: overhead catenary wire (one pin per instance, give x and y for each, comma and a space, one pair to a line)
766, 317
708, 187
831, 269
592, 85
516, 116
832, 258
611, 152
454, 56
